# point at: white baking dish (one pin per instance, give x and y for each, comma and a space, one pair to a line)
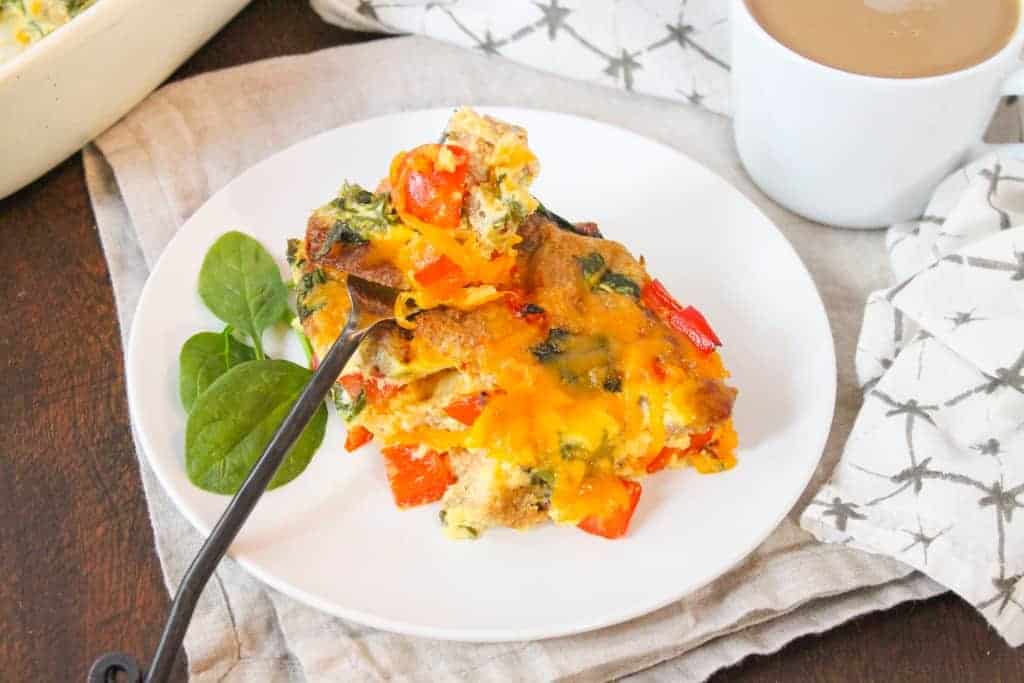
64, 90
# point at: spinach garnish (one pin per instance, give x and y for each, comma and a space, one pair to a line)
235, 396
240, 282
205, 357
234, 419
357, 214
598, 276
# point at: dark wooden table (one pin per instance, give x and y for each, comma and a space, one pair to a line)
78, 573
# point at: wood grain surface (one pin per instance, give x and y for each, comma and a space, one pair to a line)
78, 573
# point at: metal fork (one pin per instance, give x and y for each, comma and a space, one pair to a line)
372, 306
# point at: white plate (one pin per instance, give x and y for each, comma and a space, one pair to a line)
333, 538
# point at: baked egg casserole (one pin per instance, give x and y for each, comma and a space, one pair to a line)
25, 22
535, 372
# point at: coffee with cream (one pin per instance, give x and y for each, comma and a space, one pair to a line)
891, 38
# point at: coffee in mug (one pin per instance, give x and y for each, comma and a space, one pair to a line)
837, 125
891, 38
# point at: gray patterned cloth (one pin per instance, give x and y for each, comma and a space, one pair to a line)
932, 472
668, 48
153, 169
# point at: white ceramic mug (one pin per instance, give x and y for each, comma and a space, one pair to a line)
851, 150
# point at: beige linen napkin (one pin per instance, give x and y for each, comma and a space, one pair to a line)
152, 170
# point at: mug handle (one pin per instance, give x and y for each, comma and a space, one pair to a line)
1012, 87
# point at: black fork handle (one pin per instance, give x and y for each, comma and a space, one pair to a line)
119, 667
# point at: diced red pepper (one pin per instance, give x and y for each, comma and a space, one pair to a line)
523, 309
467, 409
687, 321
442, 275
357, 436
664, 457
376, 390
589, 228
352, 384
614, 524
430, 191
699, 441
658, 369
416, 481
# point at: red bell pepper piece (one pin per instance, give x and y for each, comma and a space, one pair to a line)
664, 457
357, 436
415, 481
466, 410
658, 369
523, 309
614, 524
687, 321
430, 191
441, 275
376, 391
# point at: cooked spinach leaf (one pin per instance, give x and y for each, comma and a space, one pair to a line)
340, 233
619, 283
543, 478
204, 357
307, 283
357, 214
310, 280
583, 361
348, 407
612, 383
234, 419
598, 276
292, 253
552, 346
594, 267
584, 229
240, 282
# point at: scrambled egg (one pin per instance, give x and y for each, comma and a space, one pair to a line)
23, 22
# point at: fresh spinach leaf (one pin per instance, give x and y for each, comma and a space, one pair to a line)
240, 282
204, 357
234, 419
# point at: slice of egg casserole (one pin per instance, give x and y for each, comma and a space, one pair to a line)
540, 377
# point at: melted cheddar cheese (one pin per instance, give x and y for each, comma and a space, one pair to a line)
545, 381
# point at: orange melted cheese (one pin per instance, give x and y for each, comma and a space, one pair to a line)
554, 413
585, 437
